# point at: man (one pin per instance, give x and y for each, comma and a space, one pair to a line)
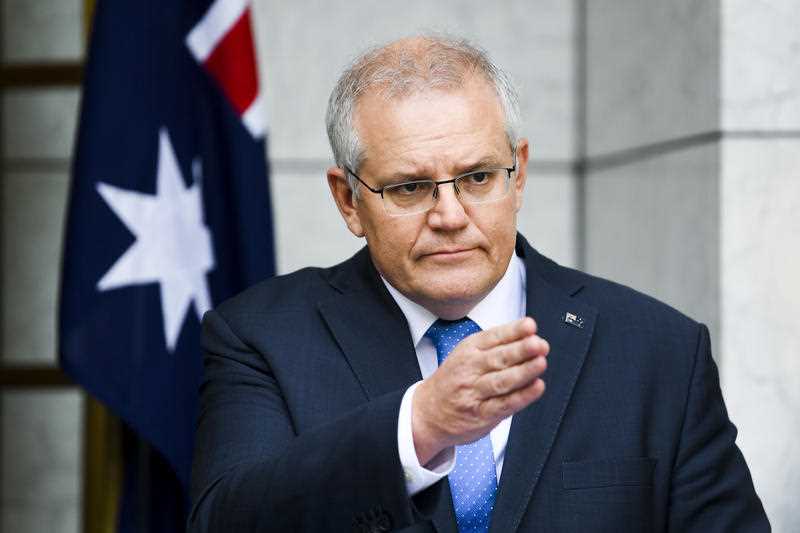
404, 389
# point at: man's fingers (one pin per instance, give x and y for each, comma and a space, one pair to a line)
514, 353
504, 382
501, 407
506, 333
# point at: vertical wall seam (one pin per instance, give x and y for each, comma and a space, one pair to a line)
581, 133
2, 256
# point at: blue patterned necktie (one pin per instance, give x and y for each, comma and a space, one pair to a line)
473, 481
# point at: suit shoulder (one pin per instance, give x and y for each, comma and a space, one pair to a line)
622, 302
296, 291
637, 327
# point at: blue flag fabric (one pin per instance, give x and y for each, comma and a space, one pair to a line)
168, 211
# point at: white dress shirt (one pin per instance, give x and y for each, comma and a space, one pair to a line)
505, 303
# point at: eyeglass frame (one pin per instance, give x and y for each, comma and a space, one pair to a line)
453, 180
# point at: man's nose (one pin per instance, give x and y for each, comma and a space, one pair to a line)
447, 213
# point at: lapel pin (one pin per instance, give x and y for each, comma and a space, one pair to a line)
573, 320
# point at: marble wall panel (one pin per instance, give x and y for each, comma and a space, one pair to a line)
31, 219
652, 72
547, 218
760, 287
652, 225
39, 123
304, 46
42, 30
42, 463
760, 74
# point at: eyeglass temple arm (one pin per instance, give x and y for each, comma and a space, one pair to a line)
362, 182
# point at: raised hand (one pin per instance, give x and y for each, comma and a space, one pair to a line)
487, 377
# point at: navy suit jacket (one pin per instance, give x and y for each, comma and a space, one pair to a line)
304, 375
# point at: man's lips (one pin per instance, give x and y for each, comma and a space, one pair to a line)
445, 253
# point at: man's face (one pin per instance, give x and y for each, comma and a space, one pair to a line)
448, 258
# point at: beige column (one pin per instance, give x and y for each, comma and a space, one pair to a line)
760, 243
692, 194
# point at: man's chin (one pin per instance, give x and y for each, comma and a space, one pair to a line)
453, 298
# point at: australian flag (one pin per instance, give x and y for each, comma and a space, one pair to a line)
169, 209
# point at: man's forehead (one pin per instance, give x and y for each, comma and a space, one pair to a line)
397, 91
383, 117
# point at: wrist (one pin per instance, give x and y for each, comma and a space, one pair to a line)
427, 442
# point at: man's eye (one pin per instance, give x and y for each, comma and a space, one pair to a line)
409, 188
478, 178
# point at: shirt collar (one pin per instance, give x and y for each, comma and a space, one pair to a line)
504, 303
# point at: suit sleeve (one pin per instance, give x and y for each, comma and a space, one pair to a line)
251, 471
711, 485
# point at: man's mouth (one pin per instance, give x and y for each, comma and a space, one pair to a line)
449, 253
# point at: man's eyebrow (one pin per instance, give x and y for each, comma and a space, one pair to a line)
483, 163
404, 175
489, 161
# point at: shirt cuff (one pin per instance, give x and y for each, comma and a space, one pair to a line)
418, 477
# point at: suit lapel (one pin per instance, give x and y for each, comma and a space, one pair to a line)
370, 329
534, 429
373, 334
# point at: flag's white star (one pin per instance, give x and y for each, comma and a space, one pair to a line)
173, 246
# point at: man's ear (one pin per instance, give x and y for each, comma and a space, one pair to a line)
522, 171
343, 197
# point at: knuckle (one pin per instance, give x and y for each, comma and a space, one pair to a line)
535, 366
500, 385
524, 346
508, 406
475, 411
500, 359
503, 405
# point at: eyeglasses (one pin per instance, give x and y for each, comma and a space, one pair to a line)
417, 196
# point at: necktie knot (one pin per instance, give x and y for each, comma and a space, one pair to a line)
446, 334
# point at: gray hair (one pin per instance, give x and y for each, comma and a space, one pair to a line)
401, 68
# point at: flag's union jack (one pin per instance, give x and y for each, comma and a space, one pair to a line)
223, 43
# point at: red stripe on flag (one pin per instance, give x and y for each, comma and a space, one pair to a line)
233, 64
